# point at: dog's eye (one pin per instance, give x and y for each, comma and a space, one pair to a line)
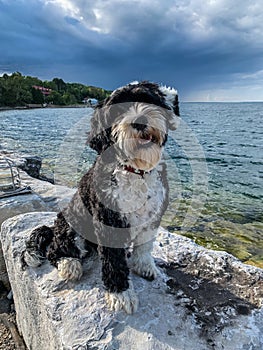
140, 123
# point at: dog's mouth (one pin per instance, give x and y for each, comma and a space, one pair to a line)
145, 140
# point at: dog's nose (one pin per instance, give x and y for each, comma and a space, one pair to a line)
140, 123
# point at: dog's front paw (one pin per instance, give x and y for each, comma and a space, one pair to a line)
70, 269
127, 301
145, 267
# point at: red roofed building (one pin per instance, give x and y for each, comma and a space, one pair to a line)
45, 91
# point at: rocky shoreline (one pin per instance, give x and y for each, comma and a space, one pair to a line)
37, 106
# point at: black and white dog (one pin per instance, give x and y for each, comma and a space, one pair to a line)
121, 199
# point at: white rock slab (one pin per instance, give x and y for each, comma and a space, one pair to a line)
177, 311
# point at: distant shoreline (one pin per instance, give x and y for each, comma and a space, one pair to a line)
23, 108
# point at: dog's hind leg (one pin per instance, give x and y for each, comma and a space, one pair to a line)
115, 275
36, 246
67, 250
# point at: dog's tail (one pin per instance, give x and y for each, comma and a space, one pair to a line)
36, 246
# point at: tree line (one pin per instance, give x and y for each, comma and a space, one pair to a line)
17, 90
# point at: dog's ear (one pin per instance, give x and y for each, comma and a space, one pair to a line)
99, 137
104, 117
171, 99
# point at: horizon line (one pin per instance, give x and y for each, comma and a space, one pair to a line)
245, 101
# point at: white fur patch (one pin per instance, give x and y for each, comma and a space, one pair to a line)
170, 94
135, 82
32, 259
145, 267
70, 269
127, 300
170, 97
140, 200
80, 244
142, 263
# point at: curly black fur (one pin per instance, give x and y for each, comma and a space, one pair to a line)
114, 269
38, 243
63, 244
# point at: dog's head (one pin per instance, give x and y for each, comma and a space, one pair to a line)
134, 121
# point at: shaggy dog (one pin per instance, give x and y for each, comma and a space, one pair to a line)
120, 201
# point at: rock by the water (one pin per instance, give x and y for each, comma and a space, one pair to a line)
43, 197
201, 300
31, 165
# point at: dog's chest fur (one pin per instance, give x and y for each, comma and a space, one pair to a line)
140, 199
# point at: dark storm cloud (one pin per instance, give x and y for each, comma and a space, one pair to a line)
191, 44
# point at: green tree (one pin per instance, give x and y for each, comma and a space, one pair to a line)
37, 96
69, 99
49, 84
30, 81
2, 92
61, 86
14, 92
55, 98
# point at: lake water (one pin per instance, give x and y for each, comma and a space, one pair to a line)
214, 161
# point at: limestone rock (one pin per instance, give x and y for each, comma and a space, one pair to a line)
43, 197
31, 165
201, 300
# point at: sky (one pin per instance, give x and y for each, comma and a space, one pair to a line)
209, 50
